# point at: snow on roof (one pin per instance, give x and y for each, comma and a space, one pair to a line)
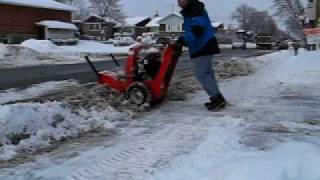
106, 19
57, 25
132, 21
47, 4
172, 14
241, 31
154, 22
77, 21
216, 24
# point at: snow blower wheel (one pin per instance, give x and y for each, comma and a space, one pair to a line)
138, 94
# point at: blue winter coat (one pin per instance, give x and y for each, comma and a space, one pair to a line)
199, 34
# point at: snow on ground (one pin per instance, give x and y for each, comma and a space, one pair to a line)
11, 95
291, 161
3, 50
36, 52
280, 106
270, 132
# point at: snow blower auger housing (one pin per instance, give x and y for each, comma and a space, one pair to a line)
144, 80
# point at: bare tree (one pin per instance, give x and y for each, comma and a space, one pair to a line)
108, 8
250, 19
82, 5
83, 9
291, 11
262, 22
243, 14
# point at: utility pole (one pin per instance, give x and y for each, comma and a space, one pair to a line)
318, 12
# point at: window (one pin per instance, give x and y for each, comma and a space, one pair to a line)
4, 40
162, 27
94, 27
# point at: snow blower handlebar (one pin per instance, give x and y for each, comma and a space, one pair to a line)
94, 69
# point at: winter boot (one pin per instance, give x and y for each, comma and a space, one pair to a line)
217, 102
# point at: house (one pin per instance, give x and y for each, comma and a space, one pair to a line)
154, 26
98, 27
313, 13
171, 25
38, 19
133, 25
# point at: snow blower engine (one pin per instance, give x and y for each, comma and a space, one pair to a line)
144, 79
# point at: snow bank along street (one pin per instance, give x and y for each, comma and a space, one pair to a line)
269, 132
36, 52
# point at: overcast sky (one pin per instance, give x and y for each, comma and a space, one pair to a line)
219, 10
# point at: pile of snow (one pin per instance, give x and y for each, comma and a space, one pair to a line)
48, 4
10, 95
3, 50
57, 25
41, 46
45, 46
35, 125
30, 126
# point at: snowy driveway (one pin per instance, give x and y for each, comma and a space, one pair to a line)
270, 132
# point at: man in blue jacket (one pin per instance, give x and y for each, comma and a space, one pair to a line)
200, 38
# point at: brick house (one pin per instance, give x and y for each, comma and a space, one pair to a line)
21, 19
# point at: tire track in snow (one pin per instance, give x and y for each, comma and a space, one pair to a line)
142, 156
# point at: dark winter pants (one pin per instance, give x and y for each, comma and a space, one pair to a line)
205, 74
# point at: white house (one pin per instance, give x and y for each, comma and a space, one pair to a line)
171, 25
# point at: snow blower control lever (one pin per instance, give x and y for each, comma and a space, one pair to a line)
146, 77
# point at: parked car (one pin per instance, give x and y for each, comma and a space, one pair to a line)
87, 37
264, 41
124, 39
283, 45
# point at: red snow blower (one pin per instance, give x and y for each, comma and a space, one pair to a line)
144, 80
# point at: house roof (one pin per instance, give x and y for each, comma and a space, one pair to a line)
170, 15
154, 22
106, 19
132, 21
217, 24
57, 25
47, 4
